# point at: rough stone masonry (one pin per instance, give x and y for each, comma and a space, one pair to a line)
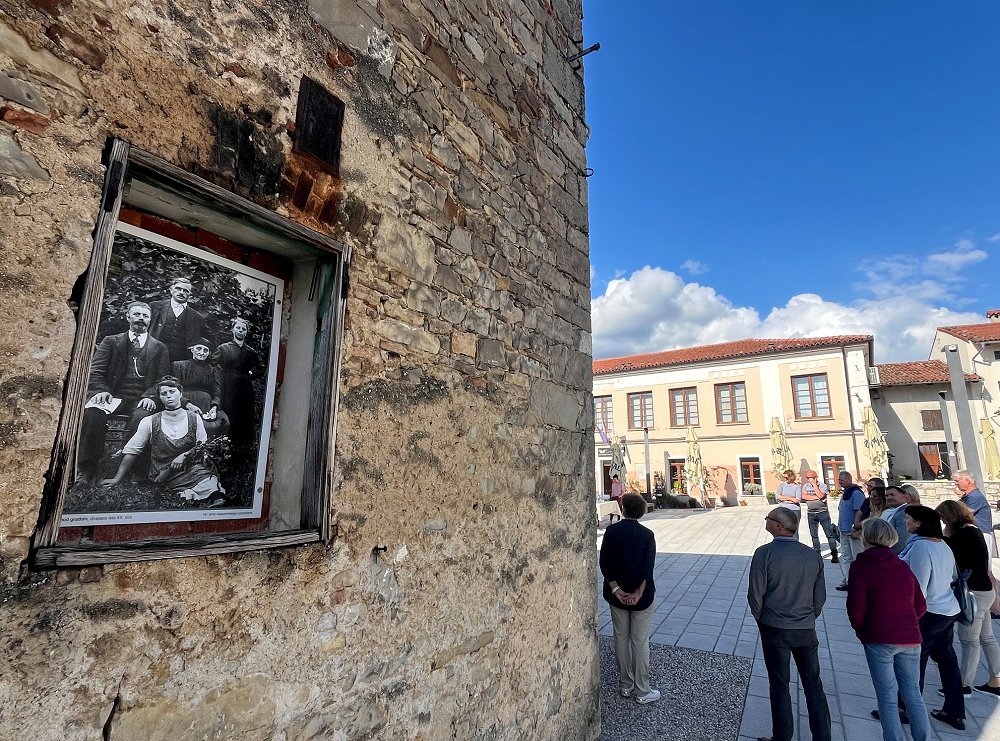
462, 442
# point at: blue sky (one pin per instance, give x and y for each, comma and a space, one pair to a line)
792, 168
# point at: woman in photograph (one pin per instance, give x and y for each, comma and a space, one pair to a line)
931, 561
202, 384
884, 605
969, 546
170, 436
239, 364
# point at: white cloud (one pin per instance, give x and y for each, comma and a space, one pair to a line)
694, 267
963, 255
655, 309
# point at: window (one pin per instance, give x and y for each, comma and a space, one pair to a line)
640, 410
750, 480
812, 396
731, 403
931, 419
604, 420
831, 466
683, 407
676, 475
935, 462
261, 288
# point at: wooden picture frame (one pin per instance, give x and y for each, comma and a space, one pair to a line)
144, 184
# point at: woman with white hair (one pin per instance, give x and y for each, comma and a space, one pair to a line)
885, 604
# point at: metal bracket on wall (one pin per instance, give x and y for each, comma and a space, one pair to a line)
580, 54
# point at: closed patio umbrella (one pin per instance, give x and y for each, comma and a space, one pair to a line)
694, 468
991, 470
781, 454
875, 444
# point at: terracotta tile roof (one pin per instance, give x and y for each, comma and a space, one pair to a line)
916, 372
721, 351
986, 332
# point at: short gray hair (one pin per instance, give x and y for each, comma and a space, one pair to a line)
964, 474
786, 518
876, 531
911, 491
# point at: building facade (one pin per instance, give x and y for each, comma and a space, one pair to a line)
916, 404
731, 394
379, 208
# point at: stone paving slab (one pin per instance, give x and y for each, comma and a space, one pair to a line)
702, 566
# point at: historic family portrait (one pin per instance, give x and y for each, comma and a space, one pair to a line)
180, 395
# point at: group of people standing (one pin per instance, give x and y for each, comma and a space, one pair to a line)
165, 354
900, 562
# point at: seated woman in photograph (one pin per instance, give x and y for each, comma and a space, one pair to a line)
884, 605
203, 387
170, 436
931, 561
969, 546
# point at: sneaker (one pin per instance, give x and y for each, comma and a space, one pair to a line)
833, 558
967, 691
987, 690
626, 693
653, 696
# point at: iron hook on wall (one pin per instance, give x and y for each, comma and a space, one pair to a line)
580, 54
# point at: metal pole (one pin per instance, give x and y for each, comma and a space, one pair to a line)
966, 427
946, 423
649, 474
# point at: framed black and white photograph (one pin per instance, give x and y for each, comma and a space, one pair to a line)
180, 397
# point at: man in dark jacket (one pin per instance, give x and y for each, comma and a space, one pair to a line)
125, 365
174, 323
786, 594
628, 553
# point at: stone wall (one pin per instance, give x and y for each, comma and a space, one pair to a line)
462, 444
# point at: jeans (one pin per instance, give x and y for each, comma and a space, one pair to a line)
632, 648
778, 646
936, 632
849, 549
979, 636
822, 518
897, 669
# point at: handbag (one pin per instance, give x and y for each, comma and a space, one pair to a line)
966, 602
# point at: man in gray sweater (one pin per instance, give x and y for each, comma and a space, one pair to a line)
786, 595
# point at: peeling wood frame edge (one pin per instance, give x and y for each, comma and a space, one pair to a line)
325, 504
45, 553
153, 550
88, 320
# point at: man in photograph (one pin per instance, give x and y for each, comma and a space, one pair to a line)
125, 365
174, 323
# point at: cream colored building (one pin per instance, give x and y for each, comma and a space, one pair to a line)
907, 398
729, 394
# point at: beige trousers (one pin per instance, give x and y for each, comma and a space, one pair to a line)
632, 648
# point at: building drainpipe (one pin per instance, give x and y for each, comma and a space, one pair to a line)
850, 414
649, 465
966, 428
949, 441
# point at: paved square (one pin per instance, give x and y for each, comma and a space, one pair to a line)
702, 564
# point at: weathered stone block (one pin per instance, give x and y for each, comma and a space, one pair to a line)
406, 250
